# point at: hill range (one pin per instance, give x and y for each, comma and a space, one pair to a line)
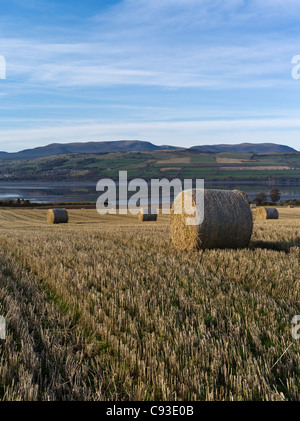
94, 160
136, 146
85, 148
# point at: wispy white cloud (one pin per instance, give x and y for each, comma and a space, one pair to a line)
93, 64
168, 44
133, 56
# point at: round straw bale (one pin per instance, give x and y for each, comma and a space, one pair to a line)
143, 217
227, 221
57, 216
290, 206
266, 213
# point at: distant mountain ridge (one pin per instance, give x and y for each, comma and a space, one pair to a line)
84, 147
136, 146
245, 148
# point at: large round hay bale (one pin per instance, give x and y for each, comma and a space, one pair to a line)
227, 221
266, 213
57, 216
290, 206
144, 217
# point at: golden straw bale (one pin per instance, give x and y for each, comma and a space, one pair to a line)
144, 217
266, 213
57, 216
227, 221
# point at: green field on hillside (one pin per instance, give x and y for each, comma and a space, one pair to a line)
156, 164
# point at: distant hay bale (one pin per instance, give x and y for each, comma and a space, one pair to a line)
227, 221
144, 217
290, 206
252, 205
266, 213
57, 216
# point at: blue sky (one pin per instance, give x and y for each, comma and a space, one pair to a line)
180, 72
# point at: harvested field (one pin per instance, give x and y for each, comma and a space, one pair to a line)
106, 308
221, 160
185, 160
256, 168
170, 169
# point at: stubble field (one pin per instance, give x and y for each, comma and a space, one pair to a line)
104, 308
